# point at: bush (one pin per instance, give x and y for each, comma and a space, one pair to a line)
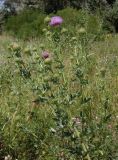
73, 16
111, 18
76, 19
27, 24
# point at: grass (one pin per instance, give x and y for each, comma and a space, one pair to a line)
58, 112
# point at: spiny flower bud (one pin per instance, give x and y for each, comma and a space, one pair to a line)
64, 30
82, 30
27, 51
48, 61
47, 19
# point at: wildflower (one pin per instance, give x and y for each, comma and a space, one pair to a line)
56, 21
45, 55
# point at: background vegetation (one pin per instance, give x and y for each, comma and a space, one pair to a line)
29, 16
31, 23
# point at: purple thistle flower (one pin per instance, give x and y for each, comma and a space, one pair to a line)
45, 55
56, 21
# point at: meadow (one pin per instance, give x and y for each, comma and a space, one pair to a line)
59, 95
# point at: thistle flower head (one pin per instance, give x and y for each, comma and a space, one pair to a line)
45, 55
56, 21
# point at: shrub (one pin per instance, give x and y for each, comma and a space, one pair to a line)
27, 24
111, 18
77, 19
73, 16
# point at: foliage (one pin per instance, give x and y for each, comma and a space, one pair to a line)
27, 24
111, 18
50, 6
31, 23
107, 9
